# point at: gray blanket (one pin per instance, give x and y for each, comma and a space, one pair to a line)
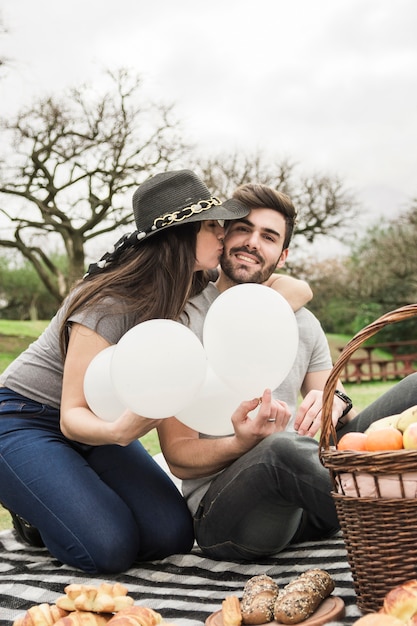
185, 589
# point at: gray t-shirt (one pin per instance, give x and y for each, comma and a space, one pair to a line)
313, 355
37, 372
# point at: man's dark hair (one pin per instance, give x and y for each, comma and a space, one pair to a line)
259, 196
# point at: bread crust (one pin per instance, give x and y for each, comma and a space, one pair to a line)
41, 615
298, 600
136, 616
378, 619
231, 611
83, 618
402, 601
258, 599
105, 598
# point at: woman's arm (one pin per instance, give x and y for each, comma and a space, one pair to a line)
78, 422
297, 292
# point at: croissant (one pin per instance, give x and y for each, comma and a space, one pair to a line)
401, 601
83, 618
40, 615
136, 616
105, 598
378, 619
231, 612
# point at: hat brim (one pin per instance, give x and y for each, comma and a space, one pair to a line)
229, 210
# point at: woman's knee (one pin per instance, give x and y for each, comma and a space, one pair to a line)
95, 546
110, 557
178, 538
115, 557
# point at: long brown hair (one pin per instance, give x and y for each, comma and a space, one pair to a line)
153, 279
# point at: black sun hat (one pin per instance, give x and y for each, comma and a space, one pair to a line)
175, 198
169, 199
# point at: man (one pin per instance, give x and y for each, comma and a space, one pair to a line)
253, 493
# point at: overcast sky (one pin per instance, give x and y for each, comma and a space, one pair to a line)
332, 84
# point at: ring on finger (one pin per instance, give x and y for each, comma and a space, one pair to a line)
271, 419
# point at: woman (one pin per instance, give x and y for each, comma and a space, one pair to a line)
97, 498
89, 490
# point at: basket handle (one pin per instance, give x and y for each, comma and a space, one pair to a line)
328, 432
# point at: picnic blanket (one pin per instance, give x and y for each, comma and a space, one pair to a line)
185, 589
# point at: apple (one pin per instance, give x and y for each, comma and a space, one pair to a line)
410, 437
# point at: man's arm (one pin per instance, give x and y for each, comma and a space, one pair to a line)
189, 456
297, 292
308, 416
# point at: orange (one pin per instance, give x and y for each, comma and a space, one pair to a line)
389, 438
353, 441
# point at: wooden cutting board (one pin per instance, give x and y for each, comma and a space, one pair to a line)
329, 610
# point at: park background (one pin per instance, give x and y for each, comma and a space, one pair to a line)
317, 99
15, 336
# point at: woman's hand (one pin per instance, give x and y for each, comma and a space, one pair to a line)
130, 426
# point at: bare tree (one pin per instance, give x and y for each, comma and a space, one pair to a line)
68, 165
3, 31
322, 203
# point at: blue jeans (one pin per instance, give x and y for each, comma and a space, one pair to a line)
279, 492
98, 508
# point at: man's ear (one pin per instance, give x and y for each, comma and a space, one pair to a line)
282, 258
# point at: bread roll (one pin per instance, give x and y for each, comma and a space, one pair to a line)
83, 618
258, 599
40, 615
231, 612
298, 600
136, 616
106, 598
378, 619
402, 601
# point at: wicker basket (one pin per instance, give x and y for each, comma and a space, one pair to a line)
380, 533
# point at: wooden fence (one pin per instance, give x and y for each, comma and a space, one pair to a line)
366, 364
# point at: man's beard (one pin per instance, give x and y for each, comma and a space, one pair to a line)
242, 274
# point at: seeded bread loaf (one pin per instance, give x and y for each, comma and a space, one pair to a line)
298, 600
258, 599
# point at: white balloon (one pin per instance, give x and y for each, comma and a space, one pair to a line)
99, 390
211, 411
251, 338
158, 367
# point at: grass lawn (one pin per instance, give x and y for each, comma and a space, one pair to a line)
15, 336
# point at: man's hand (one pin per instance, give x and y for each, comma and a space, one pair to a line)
269, 416
308, 416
